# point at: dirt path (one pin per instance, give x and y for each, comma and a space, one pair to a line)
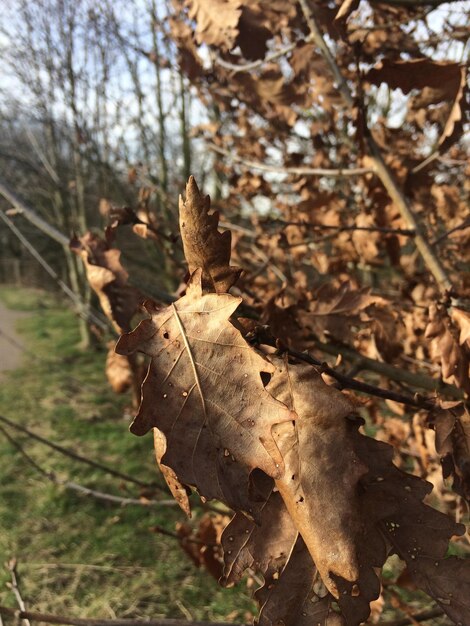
11, 344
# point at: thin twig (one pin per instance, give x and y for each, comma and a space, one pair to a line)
465, 224
320, 227
298, 171
84, 491
78, 457
371, 229
246, 67
348, 382
11, 566
47, 618
170, 533
397, 374
108, 497
417, 617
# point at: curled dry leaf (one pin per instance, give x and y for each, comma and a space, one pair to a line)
253, 34
120, 303
418, 74
297, 597
178, 491
332, 312
202, 544
204, 246
108, 279
204, 391
439, 80
118, 370
451, 423
319, 486
386, 514
217, 21
120, 216
462, 320
263, 547
445, 348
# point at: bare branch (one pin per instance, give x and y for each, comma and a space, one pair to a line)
371, 229
463, 226
246, 67
85, 491
11, 566
347, 382
78, 457
32, 216
417, 617
298, 171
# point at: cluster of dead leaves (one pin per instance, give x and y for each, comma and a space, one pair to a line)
318, 506
119, 301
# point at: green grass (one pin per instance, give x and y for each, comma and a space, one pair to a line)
76, 555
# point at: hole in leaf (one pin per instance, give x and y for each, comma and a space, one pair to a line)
265, 378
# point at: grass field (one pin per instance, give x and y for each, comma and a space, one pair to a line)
78, 556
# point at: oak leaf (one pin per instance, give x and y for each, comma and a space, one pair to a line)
418, 74
217, 21
204, 391
333, 311
108, 279
202, 543
445, 348
462, 320
319, 486
253, 33
204, 246
451, 422
439, 81
118, 370
178, 491
387, 515
263, 547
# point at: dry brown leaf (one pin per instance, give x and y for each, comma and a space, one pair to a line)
107, 277
204, 246
217, 21
215, 436
189, 60
333, 311
301, 57
263, 547
297, 597
202, 544
118, 370
253, 34
319, 487
451, 423
386, 502
462, 320
445, 349
178, 491
439, 80
344, 11
417, 74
